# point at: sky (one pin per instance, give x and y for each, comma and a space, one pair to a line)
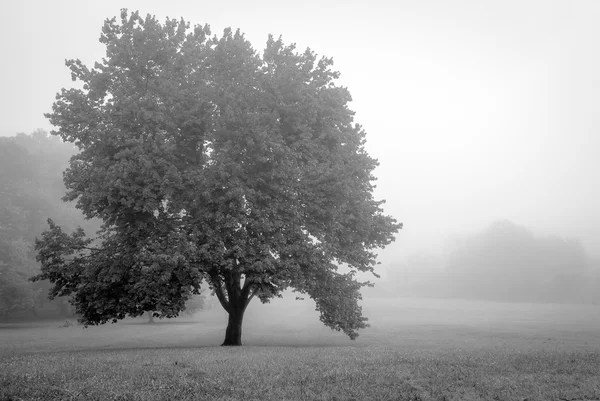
476, 110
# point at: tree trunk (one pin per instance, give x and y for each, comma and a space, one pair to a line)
233, 334
150, 316
234, 299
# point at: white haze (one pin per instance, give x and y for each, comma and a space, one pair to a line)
477, 110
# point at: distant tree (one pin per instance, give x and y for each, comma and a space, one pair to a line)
210, 162
16, 293
507, 262
30, 189
195, 304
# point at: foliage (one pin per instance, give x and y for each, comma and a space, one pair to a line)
507, 262
30, 189
210, 162
15, 292
195, 304
503, 262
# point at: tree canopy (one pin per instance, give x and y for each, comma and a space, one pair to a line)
210, 162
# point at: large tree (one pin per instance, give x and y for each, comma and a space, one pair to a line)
208, 161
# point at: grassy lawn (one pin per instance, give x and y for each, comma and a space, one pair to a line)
415, 350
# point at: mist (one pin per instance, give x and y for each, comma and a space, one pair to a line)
220, 189
480, 114
477, 112
503, 262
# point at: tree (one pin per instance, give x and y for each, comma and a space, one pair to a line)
195, 304
16, 293
507, 262
209, 162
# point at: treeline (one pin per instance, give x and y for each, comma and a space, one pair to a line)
31, 191
504, 262
31, 188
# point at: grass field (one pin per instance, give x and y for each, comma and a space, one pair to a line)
414, 350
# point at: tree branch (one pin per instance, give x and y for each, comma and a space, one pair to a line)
246, 294
220, 294
251, 296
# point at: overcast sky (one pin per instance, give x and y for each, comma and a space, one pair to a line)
477, 110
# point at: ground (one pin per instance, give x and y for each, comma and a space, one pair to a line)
416, 349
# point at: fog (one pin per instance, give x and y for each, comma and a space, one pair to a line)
478, 112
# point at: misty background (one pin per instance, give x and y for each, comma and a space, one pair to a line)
484, 117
